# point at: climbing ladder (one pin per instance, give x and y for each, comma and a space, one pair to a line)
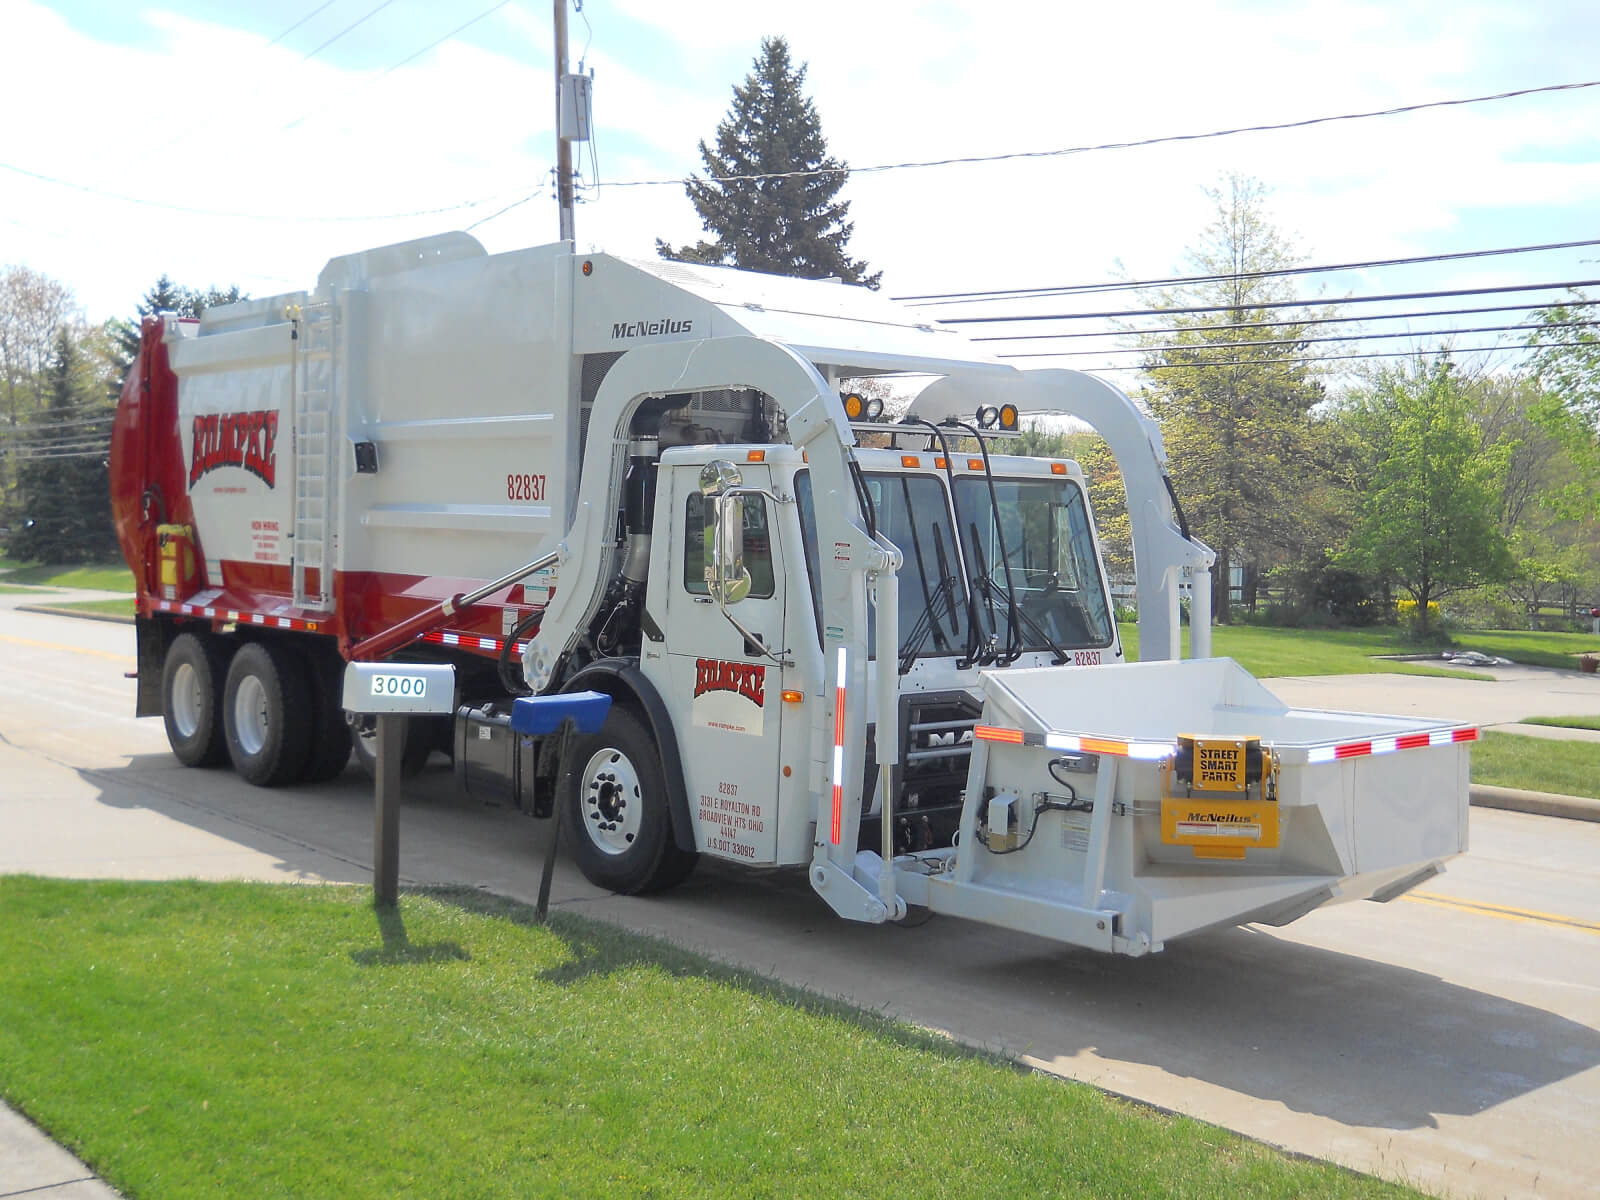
315, 473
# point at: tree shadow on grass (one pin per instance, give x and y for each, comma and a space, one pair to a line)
398, 950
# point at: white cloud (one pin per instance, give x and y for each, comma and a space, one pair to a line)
196, 115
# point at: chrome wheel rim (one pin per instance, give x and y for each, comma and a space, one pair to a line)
610, 801
250, 721
185, 703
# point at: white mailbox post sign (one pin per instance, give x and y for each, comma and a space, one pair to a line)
392, 692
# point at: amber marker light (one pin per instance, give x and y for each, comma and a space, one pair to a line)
910, 460
1058, 468
939, 464
854, 405
793, 697
756, 456
1008, 416
588, 267
974, 464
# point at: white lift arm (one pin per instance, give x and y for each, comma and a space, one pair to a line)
1160, 550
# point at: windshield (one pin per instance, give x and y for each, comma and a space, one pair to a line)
1045, 526
1043, 535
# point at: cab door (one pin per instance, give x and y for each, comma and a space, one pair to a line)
730, 692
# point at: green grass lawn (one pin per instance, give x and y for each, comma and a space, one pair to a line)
1538, 764
113, 577
191, 1039
1565, 722
122, 607
1265, 651
8, 590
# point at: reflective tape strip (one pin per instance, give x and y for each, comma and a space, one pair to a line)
1075, 743
838, 752
211, 612
1404, 741
471, 641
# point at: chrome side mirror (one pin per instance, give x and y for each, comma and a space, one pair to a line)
726, 578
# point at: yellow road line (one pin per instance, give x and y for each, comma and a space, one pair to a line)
1506, 912
112, 655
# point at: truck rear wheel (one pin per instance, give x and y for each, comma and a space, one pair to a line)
418, 746
192, 678
614, 808
330, 733
267, 714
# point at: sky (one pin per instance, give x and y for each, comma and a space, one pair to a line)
287, 153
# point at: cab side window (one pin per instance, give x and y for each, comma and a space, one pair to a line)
757, 546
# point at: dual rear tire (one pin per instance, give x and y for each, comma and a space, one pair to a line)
267, 707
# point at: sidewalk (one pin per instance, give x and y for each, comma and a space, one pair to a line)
36, 1166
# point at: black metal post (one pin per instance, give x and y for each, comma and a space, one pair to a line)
386, 821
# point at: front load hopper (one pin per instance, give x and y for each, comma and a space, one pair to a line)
1122, 806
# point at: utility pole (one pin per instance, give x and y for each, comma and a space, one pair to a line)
563, 146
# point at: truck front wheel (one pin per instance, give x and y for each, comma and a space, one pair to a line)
191, 690
614, 807
267, 714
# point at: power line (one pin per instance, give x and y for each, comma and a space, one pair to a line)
300, 22
1077, 289
1318, 358
1418, 334
1153, 141
351, 28
1274, 304
1293, 322
390, 70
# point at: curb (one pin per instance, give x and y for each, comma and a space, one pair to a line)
1543, 804
75, 612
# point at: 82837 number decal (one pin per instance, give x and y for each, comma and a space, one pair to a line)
524, 487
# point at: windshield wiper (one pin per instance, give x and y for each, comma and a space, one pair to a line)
1039, 630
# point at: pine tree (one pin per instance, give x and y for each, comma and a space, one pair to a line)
790, 220
169, 297
64, 514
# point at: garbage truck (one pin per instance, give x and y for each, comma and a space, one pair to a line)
882, 650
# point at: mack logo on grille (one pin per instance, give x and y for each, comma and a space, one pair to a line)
655, 328
243, 439
748, 679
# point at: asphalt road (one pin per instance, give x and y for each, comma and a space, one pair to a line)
1450, 1038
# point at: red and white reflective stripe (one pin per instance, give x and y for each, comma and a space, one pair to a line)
211, 611
1156, 751
1077, 743
1404, 741
838, 751
468, 641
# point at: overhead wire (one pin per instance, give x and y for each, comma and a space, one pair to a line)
1291, 322
1570, 284
1418, 334
937, 299
393, 67
1308, 359
969, 159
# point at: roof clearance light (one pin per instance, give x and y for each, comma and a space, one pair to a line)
1058, 468
874, 409
910, 460
854, 405
987, 416
756, 456
974, 464
940, 464
1008, 416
